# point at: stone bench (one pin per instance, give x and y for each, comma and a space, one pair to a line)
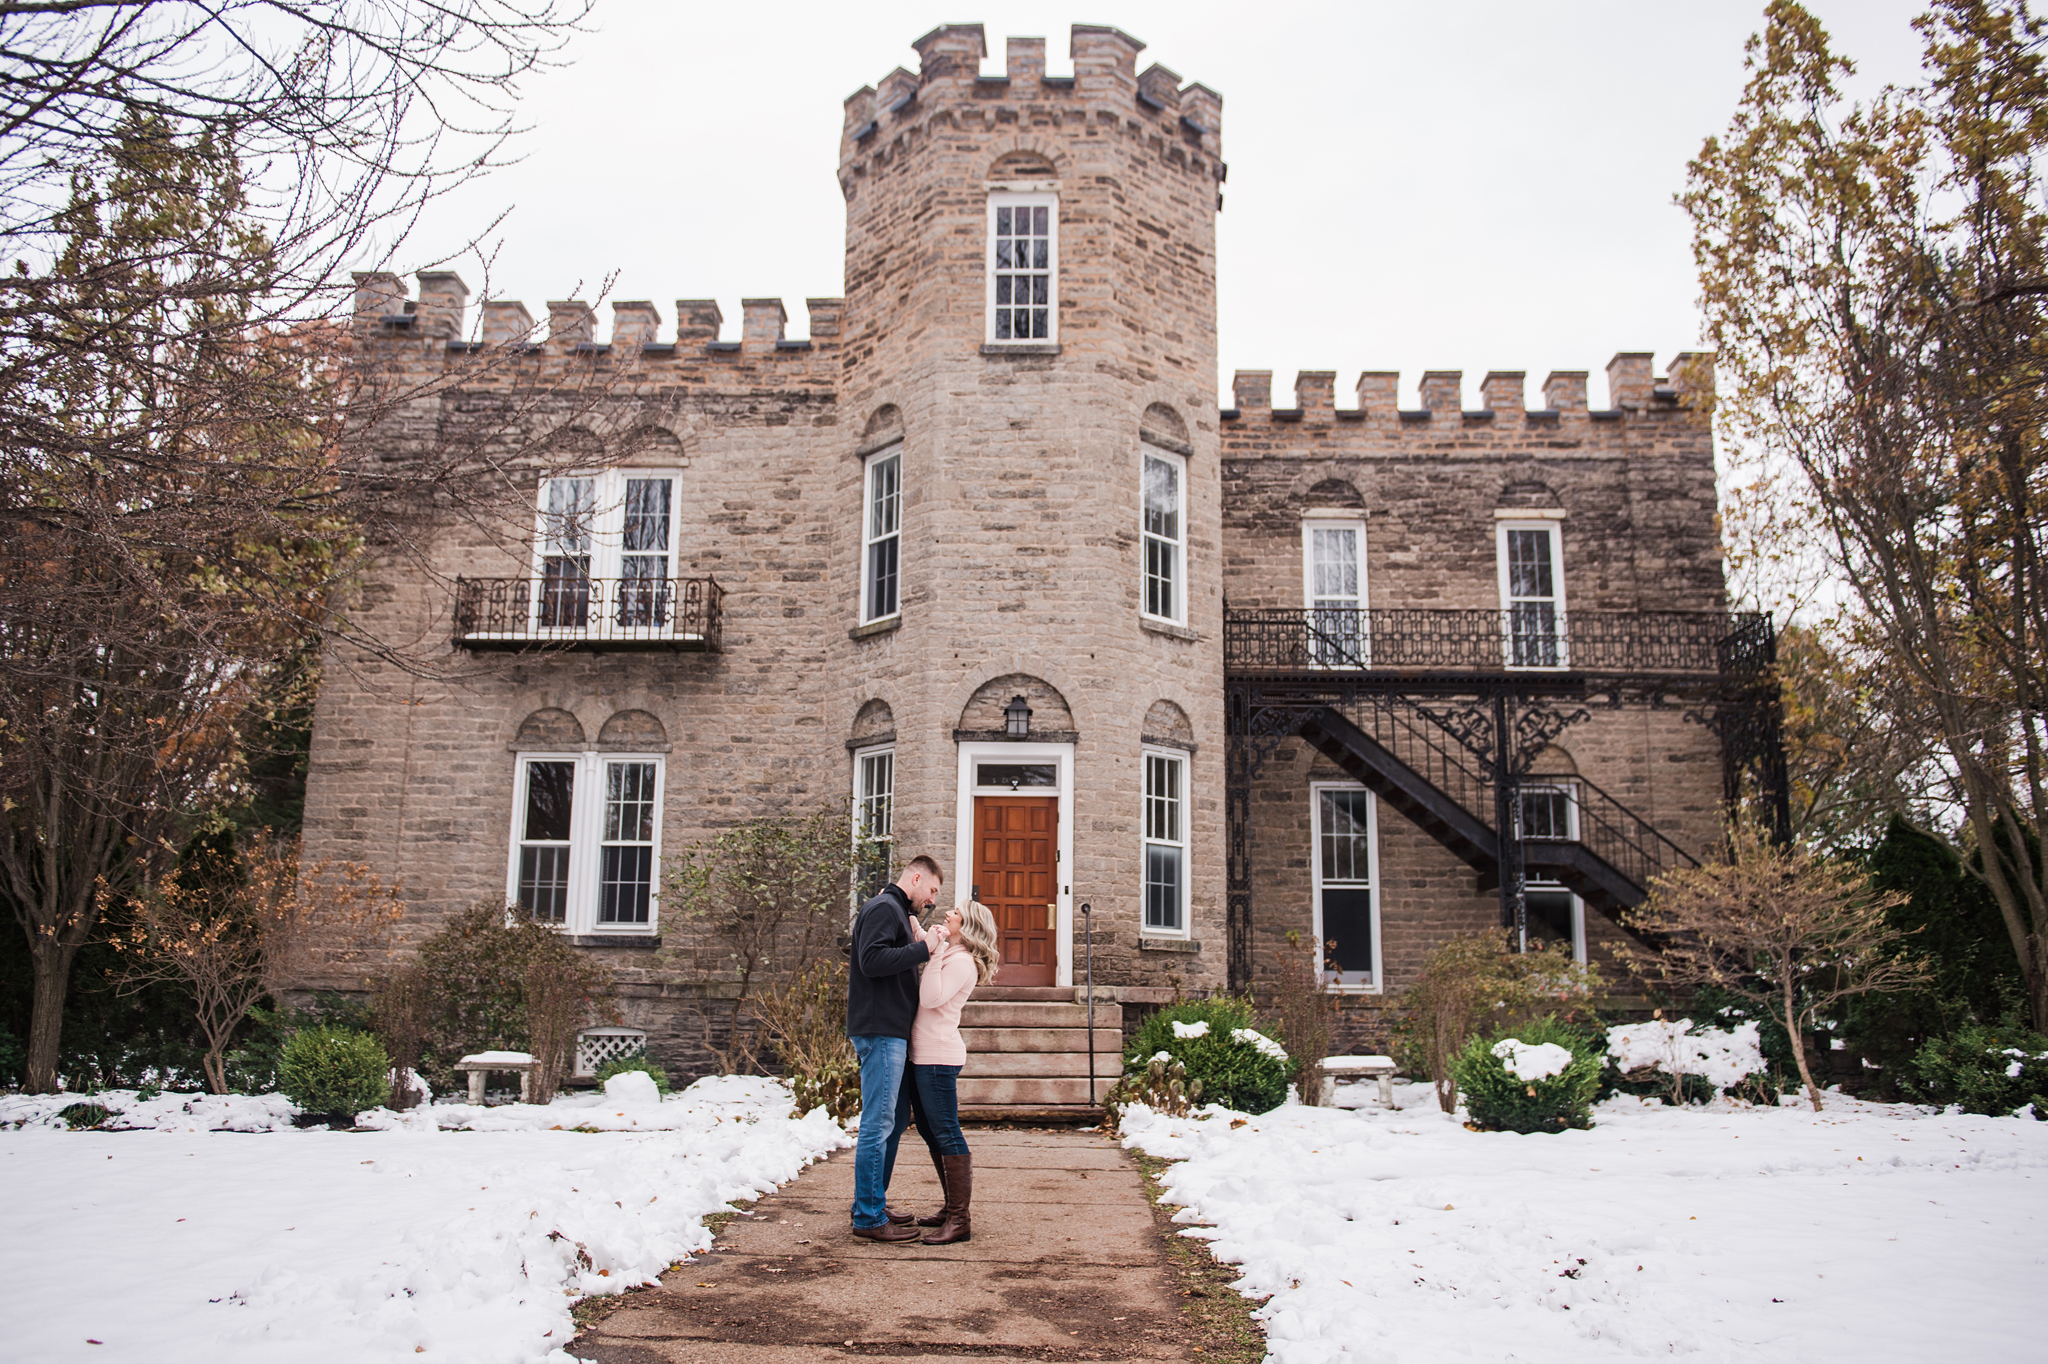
1380, 1068
485, 1062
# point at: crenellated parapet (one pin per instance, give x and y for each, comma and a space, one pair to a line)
1636, 392
436, 327
1106, 96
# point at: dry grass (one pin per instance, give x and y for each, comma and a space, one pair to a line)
1218, 1318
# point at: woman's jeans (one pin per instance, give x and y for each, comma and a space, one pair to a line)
937, 1091
886, 1104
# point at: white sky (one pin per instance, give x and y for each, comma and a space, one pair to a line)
1413, 186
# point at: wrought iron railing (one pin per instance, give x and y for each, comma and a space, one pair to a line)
570, 610
1525, 637
1613, 832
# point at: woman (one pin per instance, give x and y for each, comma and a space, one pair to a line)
964, 958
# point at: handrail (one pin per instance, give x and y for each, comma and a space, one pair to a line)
1528, 637
571, 610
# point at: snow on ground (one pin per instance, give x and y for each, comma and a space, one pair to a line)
457, 1233
1863, 1232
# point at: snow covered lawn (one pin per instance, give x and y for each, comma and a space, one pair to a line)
1864, 1232
183, 1243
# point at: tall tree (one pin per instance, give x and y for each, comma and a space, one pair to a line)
1874, 278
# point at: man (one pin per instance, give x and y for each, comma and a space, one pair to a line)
881, 1004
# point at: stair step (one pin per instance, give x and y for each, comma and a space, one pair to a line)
1023, 994
1108, 1041
1004, 1014
1005, 1091
1040, 1065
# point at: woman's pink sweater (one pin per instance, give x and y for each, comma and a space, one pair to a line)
941, 993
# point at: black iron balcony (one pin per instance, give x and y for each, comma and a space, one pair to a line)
1524, 638
574, 612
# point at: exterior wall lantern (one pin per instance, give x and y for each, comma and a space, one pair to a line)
1017, 718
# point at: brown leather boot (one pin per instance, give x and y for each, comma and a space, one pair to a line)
937, 1219
903, 1219
888, 1231
959, 1193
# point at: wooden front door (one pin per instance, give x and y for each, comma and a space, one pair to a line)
1014, 841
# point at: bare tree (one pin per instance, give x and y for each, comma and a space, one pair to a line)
1794, 930
237, 928
773, 895
184, 489
1874, 278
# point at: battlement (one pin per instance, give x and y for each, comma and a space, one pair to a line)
384, 314
1632, 385
1106, 83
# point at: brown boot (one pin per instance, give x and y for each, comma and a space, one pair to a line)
937, 1219
902, 1219
888, 1231
959, 1171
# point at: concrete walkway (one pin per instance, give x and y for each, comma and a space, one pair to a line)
1065, 1264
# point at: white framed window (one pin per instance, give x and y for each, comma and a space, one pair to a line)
1023, 267
874, 817
1344, 872
1166, 843
1333, 591
1553, 914
1532, 594
1550, 811
586, 841
1162, 533
605, 541
881, 557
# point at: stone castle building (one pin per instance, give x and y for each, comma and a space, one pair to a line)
988, 555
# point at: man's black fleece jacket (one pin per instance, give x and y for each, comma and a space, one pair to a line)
881, 986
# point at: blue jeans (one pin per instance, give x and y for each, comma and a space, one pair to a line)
885, 1109
937, 1089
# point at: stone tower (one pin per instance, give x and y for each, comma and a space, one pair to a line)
1031, 336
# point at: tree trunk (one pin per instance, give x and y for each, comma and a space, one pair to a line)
216, 1070
1790, 1018
52, 976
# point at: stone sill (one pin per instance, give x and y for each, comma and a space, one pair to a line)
875, 627
645, 942
1167, 628
1020, 348
1168, 945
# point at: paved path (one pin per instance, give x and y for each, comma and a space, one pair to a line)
1065, 1264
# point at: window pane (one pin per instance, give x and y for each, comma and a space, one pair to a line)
1022, 774
1346, 851
1002, 221
544, 883
1162, 498
877, 794
1549, 915
885, 497
1546, 814
1347, 929
550, 789
571, 506
1529, 567
629, 803
1002, 324
1334, 554
1038, 226
1162, 798
882, 578
646, 525
626, 887
1162, 887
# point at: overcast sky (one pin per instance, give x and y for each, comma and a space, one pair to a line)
1414, 185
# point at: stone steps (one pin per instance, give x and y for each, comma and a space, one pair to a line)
1027, 1058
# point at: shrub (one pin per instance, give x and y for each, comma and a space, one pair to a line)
634, 1060
82, 1115
1162, 1086
335, 1070
1232, 1071
1302, 1015
1477, 980
1497, 1099
1990, 1070
804, 1017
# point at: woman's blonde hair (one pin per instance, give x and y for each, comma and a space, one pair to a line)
978, 935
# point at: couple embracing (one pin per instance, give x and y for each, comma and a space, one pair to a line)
906, 1031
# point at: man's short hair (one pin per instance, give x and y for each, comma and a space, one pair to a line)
925, 864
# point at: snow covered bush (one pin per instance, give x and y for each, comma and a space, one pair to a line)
1539, 1077
335, 1070
1685, 1061
634, 1060
1218, 1043
1162, 1086
1989, 1070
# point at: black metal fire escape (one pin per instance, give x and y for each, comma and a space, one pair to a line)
1442, 714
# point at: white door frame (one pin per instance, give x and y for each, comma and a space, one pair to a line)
1062, 757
